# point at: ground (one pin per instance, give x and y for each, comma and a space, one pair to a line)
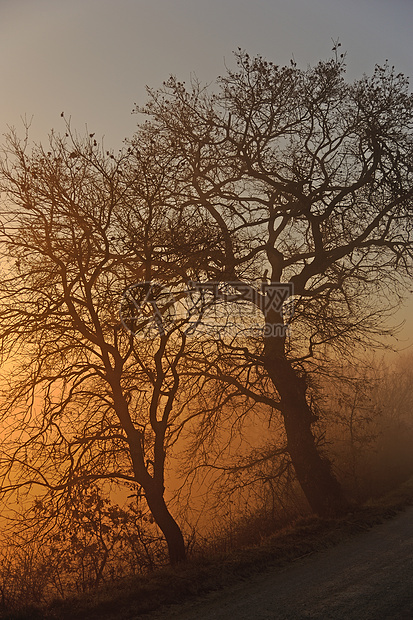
369, 577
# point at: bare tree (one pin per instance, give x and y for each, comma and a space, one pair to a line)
368, 426
354, 415
85, 400
307, 181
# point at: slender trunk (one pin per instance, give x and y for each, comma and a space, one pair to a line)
168, 526
154, 493
152, 486
322, 490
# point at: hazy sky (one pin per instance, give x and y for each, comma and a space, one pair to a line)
93, 58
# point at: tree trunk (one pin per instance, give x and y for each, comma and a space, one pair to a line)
154, 493
322, 490
153, 487
168, 526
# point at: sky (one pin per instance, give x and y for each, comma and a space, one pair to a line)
92, 59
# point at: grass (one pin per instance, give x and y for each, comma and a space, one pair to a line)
134, 597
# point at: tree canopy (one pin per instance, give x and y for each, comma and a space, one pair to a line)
307, 180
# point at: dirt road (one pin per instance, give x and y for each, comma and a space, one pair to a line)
369, 577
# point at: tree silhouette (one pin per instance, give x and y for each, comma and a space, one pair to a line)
306, 180
86, 400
